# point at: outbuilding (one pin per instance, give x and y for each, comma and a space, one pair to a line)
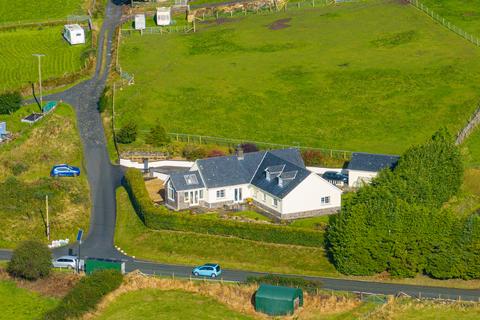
164, 16
140, 22
363, 167
74, 34
278, 300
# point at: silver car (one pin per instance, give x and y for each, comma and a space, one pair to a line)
69, 262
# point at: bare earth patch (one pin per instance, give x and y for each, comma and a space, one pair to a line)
154, 188
279, 24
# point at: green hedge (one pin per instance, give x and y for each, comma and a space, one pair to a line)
86, 295
162, 218
310, 286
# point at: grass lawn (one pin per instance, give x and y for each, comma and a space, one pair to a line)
38, 10
18, 67
17, 303
311, 223
322, 81
193, 248
25, 165
463, 14
157, 304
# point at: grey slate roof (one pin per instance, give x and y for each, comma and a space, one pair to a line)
179, 181
293, 175
372, 162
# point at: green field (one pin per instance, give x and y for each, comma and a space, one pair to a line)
193, 248
25, 165
38, 10
18, 67
463, 14
156, 304
322, 81
21, 304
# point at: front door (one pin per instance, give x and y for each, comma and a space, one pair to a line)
194, 197
238, 195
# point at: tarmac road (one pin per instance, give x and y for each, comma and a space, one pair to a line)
104, 178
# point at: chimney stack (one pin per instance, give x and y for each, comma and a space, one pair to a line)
240, 152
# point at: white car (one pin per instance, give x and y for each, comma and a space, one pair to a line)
69, 262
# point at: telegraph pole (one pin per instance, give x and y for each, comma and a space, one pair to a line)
48, 222
39, 56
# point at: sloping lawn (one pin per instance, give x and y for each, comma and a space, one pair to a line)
25, 165
21, 304
38, 10
372, 76
156, 304
194, 249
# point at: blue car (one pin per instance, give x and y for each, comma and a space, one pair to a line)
207, 270
63, 170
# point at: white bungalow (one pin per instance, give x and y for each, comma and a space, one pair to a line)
276, 181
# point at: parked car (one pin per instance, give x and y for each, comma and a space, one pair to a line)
64, 170
207, 270
69, 262
335, 178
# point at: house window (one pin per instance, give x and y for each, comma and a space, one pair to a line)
171, 194
264, 197
200, 194
220, 194
325, 200
275, 202
185, 194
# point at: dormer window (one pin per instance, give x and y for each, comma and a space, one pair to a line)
286, 177
273, 172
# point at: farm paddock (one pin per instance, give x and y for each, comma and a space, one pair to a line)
307, 77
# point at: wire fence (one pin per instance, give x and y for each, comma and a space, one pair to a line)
467, 36
232, 143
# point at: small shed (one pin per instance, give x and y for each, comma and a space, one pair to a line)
164, 16
278, 300
94, 264
74, 34
140, 22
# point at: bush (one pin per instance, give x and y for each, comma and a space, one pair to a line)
249, 147
86, 294
157, 137
127, 134
161, 218
18, 168
312, 157
10, 102
104, 100
31, 260
398, 224
215, 153
193, 152
310, 286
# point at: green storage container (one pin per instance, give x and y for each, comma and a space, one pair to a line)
94, 264
278, 300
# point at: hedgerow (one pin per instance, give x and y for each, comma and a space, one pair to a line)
307, 285
86, 295
398, 224
162, 218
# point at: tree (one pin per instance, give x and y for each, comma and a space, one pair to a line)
127, 133
249, 147
31, 260
10, 102
157, 137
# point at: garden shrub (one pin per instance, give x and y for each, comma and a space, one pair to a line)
162, 218
215, 153
86, 294
10, 102
193, 152
248, 147
310, 286
398, 223
312, 157
31, 260
127, 134
157, 136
